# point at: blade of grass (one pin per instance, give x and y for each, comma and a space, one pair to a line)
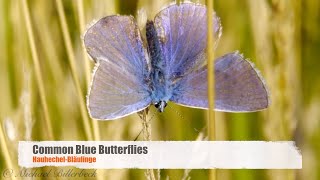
71, 57
11, 66
38, 74
96, 130
277, 31
211, 80
286, 37
5, 151
48, 45
82, 26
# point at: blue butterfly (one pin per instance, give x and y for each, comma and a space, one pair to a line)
128, 77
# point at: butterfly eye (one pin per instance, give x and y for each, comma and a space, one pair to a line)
157, 105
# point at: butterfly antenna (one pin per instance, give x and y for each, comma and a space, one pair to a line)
195, 129
177, 112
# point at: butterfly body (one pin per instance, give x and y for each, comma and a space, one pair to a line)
124, 82
160, 88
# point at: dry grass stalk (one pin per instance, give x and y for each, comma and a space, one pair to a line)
37, 70
5, 151
211, 80
146, 137
96, 130
71, 57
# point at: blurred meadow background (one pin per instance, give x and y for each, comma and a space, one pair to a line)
45, 72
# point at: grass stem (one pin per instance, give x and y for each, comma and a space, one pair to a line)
71, 57
38, 74
95, 126
211, 80
5, 151
147, 137
81, 15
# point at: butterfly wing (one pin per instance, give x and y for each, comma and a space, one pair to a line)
118, 86
239, 87
182, 30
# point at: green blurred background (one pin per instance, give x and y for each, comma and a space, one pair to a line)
280, 36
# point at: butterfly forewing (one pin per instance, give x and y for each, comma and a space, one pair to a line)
239, 88
182, 30
118, 87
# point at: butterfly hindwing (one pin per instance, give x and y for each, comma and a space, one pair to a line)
238, 88
118, 86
